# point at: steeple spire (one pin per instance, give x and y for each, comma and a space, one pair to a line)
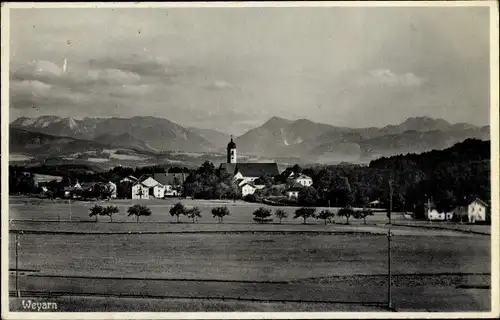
231, 151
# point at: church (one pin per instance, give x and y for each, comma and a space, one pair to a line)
247, 172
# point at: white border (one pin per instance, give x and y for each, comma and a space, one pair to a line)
495, 152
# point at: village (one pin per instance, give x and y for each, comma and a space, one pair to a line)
252, 181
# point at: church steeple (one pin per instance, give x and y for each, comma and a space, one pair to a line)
231, 151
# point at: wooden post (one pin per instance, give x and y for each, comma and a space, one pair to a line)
17, 267
390, 198
389, 280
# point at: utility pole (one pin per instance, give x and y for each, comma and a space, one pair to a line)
391, 191
17, 267
389, 280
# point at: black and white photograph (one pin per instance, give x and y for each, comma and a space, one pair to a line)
250, 160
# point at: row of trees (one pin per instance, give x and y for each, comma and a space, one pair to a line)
263, 215
194, 213
135, 210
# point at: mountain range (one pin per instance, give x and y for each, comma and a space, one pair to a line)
322, 143
309, 141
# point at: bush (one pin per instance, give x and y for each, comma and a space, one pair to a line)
250, 198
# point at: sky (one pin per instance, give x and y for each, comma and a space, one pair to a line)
231, 69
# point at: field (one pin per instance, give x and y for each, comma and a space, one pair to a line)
240, 265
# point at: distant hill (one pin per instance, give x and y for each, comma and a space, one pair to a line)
124, 140
467, 151
277, 138
216, 138
40, 144
144, 132
322, 143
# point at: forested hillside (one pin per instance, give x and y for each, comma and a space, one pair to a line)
447, 178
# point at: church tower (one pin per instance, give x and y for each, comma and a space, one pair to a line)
231, 151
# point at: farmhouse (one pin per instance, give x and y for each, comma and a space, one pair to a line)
433, 214
301, 179
293, 192
158, 185
130, 179
247, 188
171, 182
477, 211
113, 188
145, 187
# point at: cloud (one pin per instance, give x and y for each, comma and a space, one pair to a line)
219, 85
142, 65
285, 62
387, 77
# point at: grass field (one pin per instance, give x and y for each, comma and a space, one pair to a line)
43, 209
240, 265
37, 209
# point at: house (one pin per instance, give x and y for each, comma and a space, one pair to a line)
461, 213
140, 191
301, 179
130, 179
375, 203
433, 214
249, 172
145, 187
293, 192
172, 182
477, 211
247, 188
113, 188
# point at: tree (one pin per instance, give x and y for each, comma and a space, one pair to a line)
348, 192
96, 211
265, 180
362, 214
308, 196
138, 210
220, 213
297, 169
280, 214
262, 215
177, 210
305, 213
346, 212
109, 211
124, 190
325, 215
193, 213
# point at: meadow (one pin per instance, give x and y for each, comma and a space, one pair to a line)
23, 208
248, 266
